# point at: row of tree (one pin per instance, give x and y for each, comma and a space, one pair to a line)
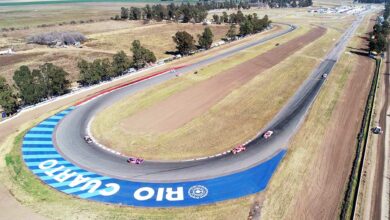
370, 1
251, 24
102, 69
378, 37
186, 12
32, 86
386, 13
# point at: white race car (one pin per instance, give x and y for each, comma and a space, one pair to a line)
88, 139
238, 149
268, 134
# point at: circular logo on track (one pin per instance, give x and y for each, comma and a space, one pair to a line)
198, 192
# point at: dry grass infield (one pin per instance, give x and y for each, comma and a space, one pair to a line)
216, 130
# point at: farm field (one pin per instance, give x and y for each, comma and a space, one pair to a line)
105, 39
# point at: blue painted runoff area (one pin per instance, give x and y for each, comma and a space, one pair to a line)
48, 165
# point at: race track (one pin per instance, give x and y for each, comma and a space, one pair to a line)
72, 166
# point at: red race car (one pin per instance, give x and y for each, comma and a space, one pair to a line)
134, 160
268, 134
238, 149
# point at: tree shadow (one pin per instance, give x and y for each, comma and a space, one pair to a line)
172, 52
366, 38
360, 52
363, 49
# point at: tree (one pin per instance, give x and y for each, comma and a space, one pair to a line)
135, 13
232, 32
160, 12
148, 12
141, 55
233, 18
381, 43
185, 43
106, 67
246, 27
8, 100
55, 79
240, 17
206, 39
101, 69
216, 18
386, 13
30, 84
124, 13
294, 4
225, 17
88, 73
120, 63
385, 28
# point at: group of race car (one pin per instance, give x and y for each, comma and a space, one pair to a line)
241, 147
136, 160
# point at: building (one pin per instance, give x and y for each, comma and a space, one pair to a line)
7, 52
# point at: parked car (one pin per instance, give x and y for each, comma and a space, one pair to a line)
131, 70
377, 130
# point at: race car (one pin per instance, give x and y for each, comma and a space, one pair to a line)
135, 160
238, 149
268, 134
88, 139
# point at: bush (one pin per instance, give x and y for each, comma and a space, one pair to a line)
54, 37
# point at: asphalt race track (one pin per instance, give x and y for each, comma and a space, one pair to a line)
55, 150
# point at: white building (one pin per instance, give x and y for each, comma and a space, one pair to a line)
7, 52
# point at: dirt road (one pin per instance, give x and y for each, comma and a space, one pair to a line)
380, 162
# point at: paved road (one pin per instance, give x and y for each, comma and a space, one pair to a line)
69, 133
